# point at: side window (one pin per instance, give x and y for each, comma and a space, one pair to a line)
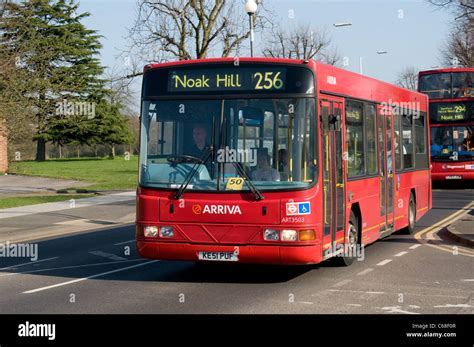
370, 134
355, 139
397, 141
407, 142
421, 137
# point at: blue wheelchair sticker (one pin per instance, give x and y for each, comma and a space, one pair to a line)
304, 208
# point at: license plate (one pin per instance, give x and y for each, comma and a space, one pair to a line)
454, 177
218, 256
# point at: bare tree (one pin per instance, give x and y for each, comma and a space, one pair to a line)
458, 49
408, 78
191, 29
301, 42
463, 9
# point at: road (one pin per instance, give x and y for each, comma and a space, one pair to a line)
98, 271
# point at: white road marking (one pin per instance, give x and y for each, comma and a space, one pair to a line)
413, 306
88, 277
70, 267
401, 253
123, 243
29, 263
107, 255
384, 262
305, 302
396, 309
355, 291
451, 305
365, 272
342, 283
468, 280
414, 246
356, 305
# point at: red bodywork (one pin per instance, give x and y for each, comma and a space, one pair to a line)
243, 233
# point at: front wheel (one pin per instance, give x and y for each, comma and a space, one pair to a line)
352, 241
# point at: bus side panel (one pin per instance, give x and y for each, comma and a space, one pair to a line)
420, 182
365, 192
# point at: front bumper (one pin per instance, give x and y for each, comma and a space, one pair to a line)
257, 254
452, 175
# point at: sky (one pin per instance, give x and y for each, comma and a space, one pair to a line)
410, 31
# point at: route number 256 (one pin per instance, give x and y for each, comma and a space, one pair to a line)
268, 80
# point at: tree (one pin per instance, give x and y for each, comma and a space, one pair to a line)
301, 42
408, 78
190, 29
57, 56
14, 116
459, 46
112, 127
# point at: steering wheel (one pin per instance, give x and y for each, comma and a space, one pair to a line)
178, 159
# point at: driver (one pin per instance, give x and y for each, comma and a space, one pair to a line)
200, 147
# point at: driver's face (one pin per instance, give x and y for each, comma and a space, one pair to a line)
199, 135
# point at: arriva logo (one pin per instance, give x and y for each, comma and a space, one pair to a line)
216, 209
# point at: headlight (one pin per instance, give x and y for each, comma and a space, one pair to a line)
151, 231
289, 235
271, 235
166, 232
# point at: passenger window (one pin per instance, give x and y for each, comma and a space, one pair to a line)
371, 153
355, 139
407, 141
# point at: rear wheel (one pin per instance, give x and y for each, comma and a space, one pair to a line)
352, 242
410, 229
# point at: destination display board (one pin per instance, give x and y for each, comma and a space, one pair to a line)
450, 112
227, 79
243, 79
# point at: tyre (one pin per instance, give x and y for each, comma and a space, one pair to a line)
410, 229
352, 241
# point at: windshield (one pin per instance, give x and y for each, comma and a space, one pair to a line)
272, 140
448, 85
452, 143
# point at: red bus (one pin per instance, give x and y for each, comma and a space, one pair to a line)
276, 161
451, 94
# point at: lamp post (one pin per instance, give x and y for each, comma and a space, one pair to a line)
339, 25
251, 8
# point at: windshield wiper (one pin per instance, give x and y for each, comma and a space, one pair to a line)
190, 175
256, 193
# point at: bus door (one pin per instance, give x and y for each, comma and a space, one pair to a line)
333, 174
386, 171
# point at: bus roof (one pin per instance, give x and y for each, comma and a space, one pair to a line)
444, 70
